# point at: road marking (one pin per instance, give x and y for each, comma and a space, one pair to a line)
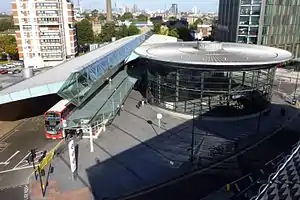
16, 169
22, 160
7, 161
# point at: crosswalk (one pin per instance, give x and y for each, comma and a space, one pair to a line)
24, 163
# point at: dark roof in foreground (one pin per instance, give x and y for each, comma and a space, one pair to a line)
284, 184
213, 53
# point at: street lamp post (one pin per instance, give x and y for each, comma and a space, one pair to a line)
193, 136
296, 85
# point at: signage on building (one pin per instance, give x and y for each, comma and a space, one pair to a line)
72, 155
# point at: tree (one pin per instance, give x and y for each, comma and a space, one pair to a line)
173, 33
142, 18
6, 24
194, 26
126, 16
108, 31
133, 30
156, 28
8, 44
172, 18
85, 32
101, 17
164, 30
123, 31
95, 13
184, 34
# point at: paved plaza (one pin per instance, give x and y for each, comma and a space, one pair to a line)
134, 153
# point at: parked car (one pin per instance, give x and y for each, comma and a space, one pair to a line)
17, 71
290, 100
3, 71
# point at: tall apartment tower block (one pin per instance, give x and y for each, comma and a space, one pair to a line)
108, 11
46, 35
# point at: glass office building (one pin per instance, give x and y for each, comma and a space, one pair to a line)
268, 22
281, 27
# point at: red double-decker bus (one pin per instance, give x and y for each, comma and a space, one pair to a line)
54, 118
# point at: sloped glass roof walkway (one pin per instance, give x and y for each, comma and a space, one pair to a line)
76, 79
105, 104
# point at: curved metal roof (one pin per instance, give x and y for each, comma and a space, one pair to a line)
213, 53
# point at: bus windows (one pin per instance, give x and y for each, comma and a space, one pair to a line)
52, 122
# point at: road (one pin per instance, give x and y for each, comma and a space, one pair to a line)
14, 149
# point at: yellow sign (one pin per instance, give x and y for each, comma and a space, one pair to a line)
46, 160
49, 157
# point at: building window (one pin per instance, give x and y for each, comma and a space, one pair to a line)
245, 10
255, 10
242, 39
252, 40
245, 2
243, 30
244, 20
254, 20
253, 30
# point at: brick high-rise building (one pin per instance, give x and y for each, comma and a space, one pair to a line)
46, 35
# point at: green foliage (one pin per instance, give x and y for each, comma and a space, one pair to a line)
133, 30
184, 34
123, 31
126, 16
6, 23
101, 17
172, 19
8, 44
173, 33
198, 21
142, 18
194, 26
95, 13
156, 28
85, 32
108, 31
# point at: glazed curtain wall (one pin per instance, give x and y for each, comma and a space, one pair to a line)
181, 90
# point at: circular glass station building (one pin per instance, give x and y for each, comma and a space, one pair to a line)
210, 78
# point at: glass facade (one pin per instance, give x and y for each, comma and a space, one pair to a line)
82, 84
105, 104
209, 92
249, 21
282, 25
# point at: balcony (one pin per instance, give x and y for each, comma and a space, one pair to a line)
50, 44
47, 15
48, 22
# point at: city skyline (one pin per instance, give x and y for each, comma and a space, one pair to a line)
202, 5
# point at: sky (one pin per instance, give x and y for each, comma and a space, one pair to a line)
183, 5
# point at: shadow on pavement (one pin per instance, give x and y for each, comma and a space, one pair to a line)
27, 108
165, 159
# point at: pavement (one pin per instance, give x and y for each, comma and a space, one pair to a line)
7, 80
15, 147
135, 153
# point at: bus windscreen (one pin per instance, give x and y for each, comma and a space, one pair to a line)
52, 122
